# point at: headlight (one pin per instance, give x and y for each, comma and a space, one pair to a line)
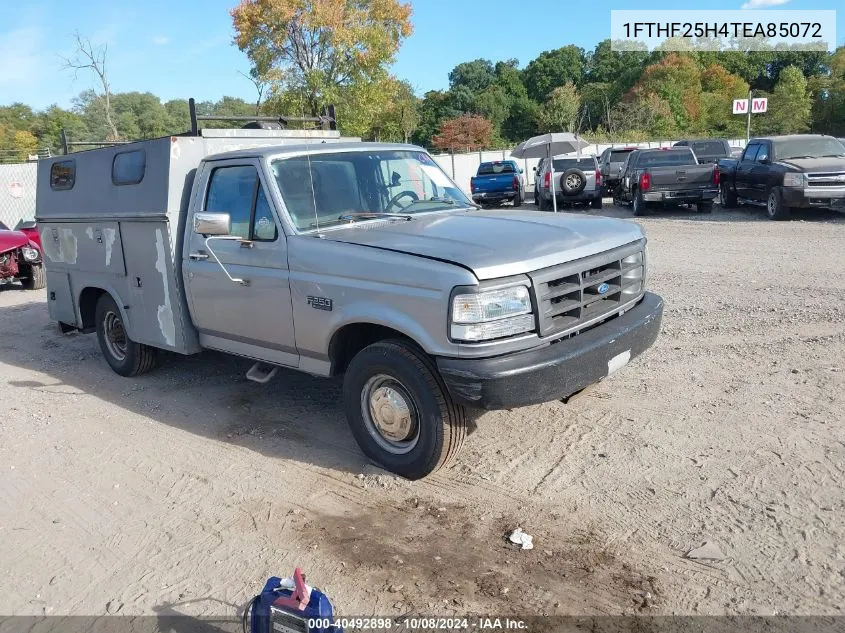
493, 314
791, 179
30, 254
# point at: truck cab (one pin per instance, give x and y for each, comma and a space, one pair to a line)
341, 258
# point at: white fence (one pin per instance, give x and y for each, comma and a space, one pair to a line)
462, 167
17, 192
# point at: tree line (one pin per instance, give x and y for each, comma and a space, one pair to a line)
306, 54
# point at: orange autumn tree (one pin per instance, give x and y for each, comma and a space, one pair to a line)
319, 47
466, 132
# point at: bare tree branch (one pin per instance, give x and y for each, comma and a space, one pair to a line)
260, 82
87, 57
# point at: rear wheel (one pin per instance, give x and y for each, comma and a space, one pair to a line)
639, 203
517, 201
37, 278
727, 197
596, 203
544, 204
399, 411
705, 207
124, 356
775, 207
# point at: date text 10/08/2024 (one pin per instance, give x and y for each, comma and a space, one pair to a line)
421, 623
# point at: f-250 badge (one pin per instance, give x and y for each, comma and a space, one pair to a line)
320, 303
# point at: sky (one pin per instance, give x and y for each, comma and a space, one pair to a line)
176, 50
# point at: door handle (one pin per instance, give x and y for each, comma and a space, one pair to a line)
198, 256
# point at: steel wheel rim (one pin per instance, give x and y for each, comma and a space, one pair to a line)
390, 414
115, 335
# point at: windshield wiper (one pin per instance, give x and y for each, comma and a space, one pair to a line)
832, 156
371, 215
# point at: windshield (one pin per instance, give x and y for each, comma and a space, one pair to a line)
495, 168
666, 158
562, 164
808, 148
328, 189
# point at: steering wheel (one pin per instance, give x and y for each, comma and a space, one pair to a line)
414, 197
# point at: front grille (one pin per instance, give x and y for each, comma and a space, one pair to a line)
833, 179
568, 296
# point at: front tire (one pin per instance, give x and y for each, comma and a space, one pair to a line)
399, 410
775, 207
124, 356
37, 278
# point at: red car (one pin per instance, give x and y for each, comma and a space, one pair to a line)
20, 256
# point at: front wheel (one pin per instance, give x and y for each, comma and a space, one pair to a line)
399, 411
124, 356
37, 278
775, 206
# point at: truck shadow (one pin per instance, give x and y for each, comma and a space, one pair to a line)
295, 416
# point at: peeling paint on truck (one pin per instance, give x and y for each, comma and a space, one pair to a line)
165, 311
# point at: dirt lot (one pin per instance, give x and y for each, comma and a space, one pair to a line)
184, 489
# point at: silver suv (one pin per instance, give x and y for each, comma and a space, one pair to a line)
577, 179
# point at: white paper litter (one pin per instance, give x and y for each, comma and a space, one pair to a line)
521, 538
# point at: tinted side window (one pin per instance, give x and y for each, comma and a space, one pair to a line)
751, 152
128, 168
762, 153
62, 175
237, 191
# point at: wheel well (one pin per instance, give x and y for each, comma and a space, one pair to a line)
88, 306
351, 339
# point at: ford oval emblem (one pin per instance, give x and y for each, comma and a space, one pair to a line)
603, 289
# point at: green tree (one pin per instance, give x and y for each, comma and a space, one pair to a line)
50, 123
477, 75
829, 97
790, 105
676, 79
560, 111
553, 69
320, 46
434, 108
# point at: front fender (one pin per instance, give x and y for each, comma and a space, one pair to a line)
378, 314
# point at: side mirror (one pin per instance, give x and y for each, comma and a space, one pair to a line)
212, 223
764, 161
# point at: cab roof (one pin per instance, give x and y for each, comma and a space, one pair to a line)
314, 148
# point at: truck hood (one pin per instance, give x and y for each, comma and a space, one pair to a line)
819, 164
10, 240
496, 244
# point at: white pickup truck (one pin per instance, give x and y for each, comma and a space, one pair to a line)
301, 249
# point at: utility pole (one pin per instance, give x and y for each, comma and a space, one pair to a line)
748, 125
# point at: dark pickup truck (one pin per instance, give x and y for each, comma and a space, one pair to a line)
667, 176
786, 172
708, 150
496, 181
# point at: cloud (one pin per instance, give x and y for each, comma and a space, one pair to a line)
160, 40
762, 4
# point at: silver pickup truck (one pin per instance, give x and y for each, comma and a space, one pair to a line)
303, 250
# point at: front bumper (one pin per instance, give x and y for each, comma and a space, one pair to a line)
815, 197
694, 195
557, 370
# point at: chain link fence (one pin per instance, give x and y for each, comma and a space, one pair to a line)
17, 192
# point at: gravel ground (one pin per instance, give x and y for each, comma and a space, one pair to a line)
182, 490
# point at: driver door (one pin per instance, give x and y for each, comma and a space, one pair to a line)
253, 319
